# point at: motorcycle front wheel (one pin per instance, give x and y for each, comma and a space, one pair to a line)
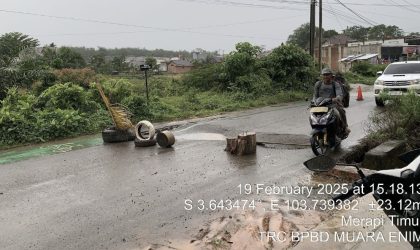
317, 145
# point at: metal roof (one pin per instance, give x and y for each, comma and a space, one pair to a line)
352, 58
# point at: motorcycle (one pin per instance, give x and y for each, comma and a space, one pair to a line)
396, 191
325, 131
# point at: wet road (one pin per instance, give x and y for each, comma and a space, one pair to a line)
121, 197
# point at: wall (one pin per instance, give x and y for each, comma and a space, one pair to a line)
172, 68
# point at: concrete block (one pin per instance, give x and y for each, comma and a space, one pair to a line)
385, 156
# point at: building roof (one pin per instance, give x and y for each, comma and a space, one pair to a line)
135, 60
339, 40
181, 63
359, 57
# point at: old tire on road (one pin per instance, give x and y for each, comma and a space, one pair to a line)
111, 135
144, 143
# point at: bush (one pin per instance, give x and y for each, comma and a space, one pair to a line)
206, 78
67, 96
82, 77
257, 84
60, 123
25, 119
367, 69
291, 68
137, 105
117, 90
400, 120
17, 118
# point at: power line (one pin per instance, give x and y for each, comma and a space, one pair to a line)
336, 17
405, 7
131, 25
354, 12
347, 3
240, 23
238, 4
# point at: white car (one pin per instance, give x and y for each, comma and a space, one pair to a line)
398, 78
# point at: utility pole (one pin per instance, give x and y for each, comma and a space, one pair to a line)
320, 36
145, 68
312, 29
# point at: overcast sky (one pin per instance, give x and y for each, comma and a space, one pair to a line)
189, 24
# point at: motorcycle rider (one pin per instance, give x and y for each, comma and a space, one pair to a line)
328, 88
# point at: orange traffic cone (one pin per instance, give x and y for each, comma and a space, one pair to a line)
359, 94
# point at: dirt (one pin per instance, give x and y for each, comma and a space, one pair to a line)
244, 230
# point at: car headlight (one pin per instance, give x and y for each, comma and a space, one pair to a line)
379, 82
416, 81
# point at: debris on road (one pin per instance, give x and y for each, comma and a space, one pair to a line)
144, 135
144, 143
165, 139
111, 135
245, 144
122, 129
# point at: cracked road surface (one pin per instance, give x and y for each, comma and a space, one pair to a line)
117, 196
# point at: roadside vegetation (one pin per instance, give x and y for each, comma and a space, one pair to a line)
50, 95
400, 120
364, 73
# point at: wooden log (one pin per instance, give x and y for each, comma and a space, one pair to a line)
245, 144
250, 139
231, 144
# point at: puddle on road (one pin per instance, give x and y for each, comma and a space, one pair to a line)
202, 137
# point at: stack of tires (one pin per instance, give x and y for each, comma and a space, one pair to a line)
143, 135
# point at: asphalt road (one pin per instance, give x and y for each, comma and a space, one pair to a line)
121, 197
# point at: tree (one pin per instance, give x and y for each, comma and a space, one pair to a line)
118, 63
290, 67
19, 64
300, 36
246, 47
242, 61
359, 33
151, 61
70, 58
12, 44
328, 34
382, 32
98, 63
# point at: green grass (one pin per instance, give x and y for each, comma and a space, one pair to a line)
169, 100
354, 78
212, 103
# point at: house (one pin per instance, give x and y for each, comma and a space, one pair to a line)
346, 63
201, 55
179, 66
333, 50
135, 61
367, 47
